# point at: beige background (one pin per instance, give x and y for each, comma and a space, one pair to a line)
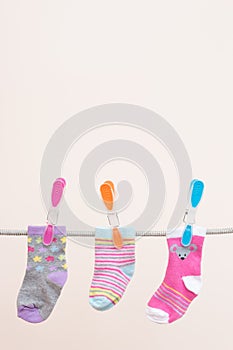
59, 57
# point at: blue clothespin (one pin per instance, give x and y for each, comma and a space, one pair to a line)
194, 198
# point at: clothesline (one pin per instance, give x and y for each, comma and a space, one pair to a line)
157, 233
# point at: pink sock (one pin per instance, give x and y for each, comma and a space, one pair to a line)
182, 281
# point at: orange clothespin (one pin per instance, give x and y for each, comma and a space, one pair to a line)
107, 191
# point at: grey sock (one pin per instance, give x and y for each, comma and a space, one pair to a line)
45, 276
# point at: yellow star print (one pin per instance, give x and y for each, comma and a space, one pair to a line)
29, 239
61, 257
37, 258
64, 266
39, 240
63, 240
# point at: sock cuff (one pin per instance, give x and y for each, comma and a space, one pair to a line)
178, 232
39, 230
106, 232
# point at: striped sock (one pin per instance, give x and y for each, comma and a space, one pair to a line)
113, 267
182, 281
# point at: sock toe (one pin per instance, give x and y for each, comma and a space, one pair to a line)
157, 315
29, 313
100, 303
